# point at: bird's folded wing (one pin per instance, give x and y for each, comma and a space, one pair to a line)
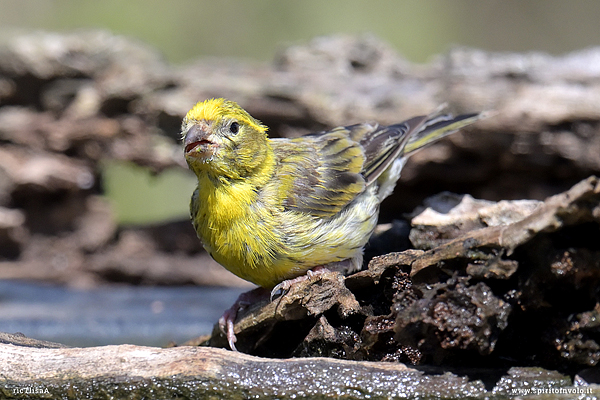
319, 174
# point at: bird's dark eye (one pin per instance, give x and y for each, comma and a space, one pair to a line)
234, 127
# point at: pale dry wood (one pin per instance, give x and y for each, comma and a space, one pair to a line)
201, 372
579, 204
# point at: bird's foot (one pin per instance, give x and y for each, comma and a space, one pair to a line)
227, 320
282, 288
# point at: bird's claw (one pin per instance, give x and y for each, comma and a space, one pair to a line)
227, 320
280, 290
226, 323
285, 286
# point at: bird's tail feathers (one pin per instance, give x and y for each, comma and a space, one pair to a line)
438, 126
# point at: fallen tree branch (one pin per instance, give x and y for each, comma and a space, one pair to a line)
187, 372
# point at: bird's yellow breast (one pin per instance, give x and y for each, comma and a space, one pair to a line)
259, 241
237, 233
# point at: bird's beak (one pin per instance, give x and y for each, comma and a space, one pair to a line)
196, 140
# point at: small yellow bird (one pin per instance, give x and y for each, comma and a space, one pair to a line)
271, 210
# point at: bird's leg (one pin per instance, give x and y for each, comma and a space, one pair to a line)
284, 286
228, 318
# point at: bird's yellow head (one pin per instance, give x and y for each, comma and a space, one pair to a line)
222, 139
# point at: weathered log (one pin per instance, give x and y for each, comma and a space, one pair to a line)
579, 205
128, 372
200, 372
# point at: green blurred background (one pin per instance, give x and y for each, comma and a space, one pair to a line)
184, 30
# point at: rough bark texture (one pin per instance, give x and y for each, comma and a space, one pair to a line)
132, 372
482, 284
196, 372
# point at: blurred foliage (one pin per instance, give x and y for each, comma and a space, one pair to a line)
139, 197
186, 29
